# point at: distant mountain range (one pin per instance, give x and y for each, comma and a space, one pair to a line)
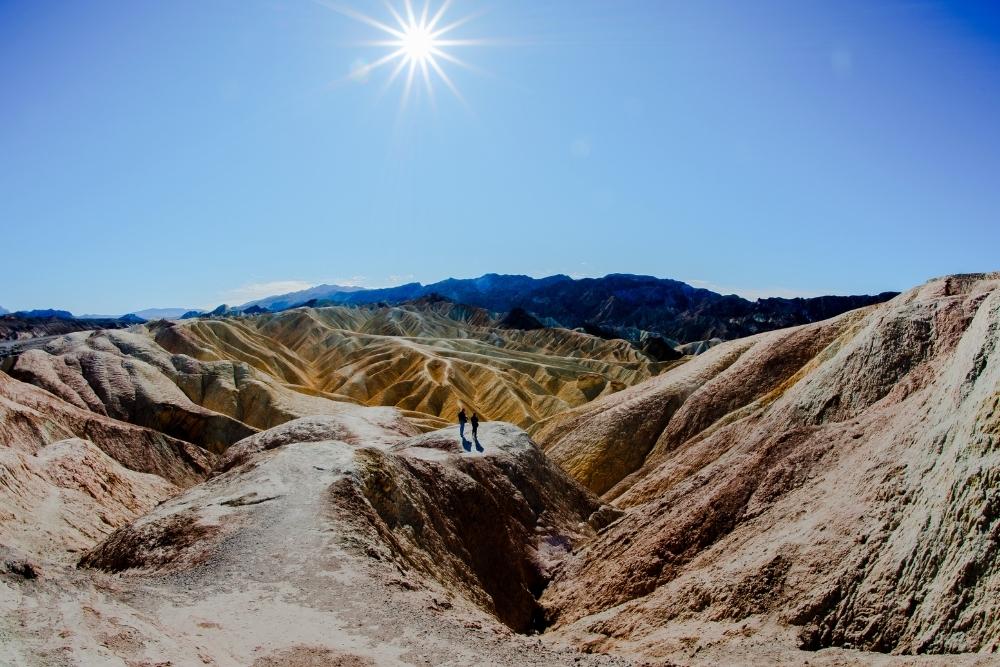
618, 305
47, 312
623, 305
55, 314
30, 324
140, 315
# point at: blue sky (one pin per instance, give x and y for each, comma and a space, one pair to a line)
191, 152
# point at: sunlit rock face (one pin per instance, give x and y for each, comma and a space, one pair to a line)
66, 497
213, 382
426, 359
69, 476
836, 484
126, 376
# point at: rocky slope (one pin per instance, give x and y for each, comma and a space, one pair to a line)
832, 485
64, 498
334, 540
214, 382
126, 376
483, 526
68, 476
32, 418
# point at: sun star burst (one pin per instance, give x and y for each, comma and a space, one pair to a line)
419, 44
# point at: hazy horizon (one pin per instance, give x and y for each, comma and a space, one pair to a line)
187, 154
255, 292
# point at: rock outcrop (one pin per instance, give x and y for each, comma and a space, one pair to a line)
832, 485
378, 540
489, 527
32, 418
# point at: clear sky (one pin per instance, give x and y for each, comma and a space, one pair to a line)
191, 152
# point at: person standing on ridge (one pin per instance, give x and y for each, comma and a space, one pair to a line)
461, 424
475, 431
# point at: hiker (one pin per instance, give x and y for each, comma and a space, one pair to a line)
475, 431
461, 424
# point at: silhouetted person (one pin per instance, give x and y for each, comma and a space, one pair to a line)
475, 431
461, 424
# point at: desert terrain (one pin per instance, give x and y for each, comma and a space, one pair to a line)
289, 488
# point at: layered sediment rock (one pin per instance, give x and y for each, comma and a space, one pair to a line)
835, 484
32, 418
68, 476
425, 360
214, 382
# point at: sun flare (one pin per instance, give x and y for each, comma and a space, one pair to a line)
419, 44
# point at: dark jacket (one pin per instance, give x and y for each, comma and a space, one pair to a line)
461, 417
475, 421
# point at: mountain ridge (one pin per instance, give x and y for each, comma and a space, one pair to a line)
625, 304
17, 328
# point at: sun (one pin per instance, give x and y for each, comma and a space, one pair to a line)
419, 43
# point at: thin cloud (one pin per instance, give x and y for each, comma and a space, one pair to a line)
253, 291
353, 281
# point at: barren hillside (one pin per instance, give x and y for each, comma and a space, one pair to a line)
828, 485
212, 382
